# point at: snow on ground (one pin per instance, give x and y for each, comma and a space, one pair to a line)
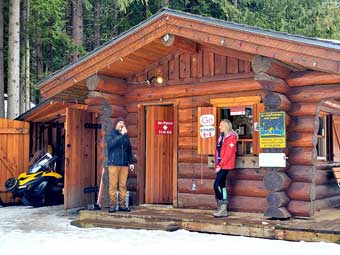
47, 230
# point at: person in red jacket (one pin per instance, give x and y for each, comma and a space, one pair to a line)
225, 157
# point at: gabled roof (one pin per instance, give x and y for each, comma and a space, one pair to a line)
311, 53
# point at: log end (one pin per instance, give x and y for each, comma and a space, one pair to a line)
277, 213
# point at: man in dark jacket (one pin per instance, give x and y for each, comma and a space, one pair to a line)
119, 161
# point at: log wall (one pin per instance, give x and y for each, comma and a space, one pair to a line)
192, 81
245, 186
313, 187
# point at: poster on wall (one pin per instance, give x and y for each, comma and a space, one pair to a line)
272, 130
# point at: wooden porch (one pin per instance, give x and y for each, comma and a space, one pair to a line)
325, 226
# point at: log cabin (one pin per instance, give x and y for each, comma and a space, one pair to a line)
167, 74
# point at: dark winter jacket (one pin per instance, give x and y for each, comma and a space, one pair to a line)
118, 149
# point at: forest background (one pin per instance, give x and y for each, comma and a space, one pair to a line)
38, 37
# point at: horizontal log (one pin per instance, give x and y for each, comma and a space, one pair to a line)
261, 64
188, 115
118, 111
195, 171
327, 202
187, 129
187, 143
302, 156
100, 109
131, 119
327, 165
301, 208
104, 83
132, 107
277, 213
302, 191
190, 156
277, 199
301, 139
194, 89
276, 181
248, 204
305, 78
240, 204
234, 187
304, 109
306, 124
272, 83
276, 102
326, 191
300, 173
132, 131
134, 143
314, 94
96, 96
204, 100
197, 201
198, 170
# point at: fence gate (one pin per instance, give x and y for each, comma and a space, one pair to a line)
14, 151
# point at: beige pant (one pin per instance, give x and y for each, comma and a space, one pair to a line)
117, 177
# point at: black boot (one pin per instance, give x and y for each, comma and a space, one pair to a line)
124, 209
112, 209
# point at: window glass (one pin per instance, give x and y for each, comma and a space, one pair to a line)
242, 120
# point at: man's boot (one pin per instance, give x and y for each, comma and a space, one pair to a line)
222, 209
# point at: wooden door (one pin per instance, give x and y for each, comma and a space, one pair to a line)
159, 154
14, 151
79, 158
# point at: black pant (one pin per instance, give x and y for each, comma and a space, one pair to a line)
220, 183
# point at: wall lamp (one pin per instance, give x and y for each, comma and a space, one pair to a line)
158, 79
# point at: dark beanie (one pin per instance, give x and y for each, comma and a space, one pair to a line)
115, 122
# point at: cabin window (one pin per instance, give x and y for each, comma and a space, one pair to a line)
324, 136
242, 120
243, 112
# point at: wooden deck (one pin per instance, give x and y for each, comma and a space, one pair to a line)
324, 227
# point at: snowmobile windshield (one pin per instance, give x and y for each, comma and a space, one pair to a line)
41, 164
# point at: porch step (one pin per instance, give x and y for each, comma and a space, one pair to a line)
173, 219
88, 223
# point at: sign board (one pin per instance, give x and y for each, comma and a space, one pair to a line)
272, 130
164, 127
272, 160
206, 130
237, 111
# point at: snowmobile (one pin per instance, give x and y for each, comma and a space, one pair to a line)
40, 185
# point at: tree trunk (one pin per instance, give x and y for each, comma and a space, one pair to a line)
27, 61
77, 27
23, 63
164, 3
96, 26
2, 78
14, 59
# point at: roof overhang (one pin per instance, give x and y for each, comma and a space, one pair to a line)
138, 47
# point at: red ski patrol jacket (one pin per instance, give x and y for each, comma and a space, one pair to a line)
228, 151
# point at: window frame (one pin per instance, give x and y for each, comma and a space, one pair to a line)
248, 101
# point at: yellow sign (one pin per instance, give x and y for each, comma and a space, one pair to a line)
272, 130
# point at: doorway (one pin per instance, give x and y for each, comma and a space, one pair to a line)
159, 142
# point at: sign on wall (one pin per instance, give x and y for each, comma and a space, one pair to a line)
206, 130
272, 130
164, 127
